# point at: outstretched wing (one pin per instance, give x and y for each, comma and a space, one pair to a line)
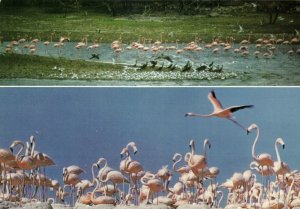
236, 108
215, 102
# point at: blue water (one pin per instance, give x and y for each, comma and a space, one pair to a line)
79, 125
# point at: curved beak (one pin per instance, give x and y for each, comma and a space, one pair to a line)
11, 150
283, 146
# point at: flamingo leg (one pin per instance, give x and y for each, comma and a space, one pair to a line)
242, 127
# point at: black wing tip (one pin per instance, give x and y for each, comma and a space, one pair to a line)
213, 93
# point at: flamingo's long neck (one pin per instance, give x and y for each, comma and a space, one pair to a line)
221, 198
20, 150
204, 147
254, 166
93, 192
254, 144
146, 178
93, 172
192, 149
277, 152
177, 161
102, 170
289, 193
32, 147
167, 184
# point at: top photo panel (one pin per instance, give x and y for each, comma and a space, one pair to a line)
149, 43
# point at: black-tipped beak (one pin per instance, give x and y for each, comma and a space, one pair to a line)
135, 152
121, 156
174, 160
98, 166
209, 146
11, 150
186, 115
283, 146
248, 132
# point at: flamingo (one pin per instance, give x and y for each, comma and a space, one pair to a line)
24, 162
263, 159
181, 170
198, 162
102, 173
219, 111
100, 199
166, 200
153, 183
73, 169
280, 168
85, 199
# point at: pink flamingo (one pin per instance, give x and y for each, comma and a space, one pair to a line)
219, 111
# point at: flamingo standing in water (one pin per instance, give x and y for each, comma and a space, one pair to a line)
220, 112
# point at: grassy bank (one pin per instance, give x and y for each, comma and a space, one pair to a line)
36, 67
15, 66
35, 23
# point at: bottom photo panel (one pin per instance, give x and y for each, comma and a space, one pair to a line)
158, 148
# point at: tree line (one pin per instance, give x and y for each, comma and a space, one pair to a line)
147, 7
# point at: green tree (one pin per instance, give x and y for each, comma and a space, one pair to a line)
275, 7
69, 4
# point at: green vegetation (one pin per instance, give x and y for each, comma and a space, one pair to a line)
31, 23
36, 67
92, 24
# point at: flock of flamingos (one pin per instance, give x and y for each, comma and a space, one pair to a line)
268, 183
265, 47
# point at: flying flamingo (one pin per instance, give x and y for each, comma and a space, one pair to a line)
219, 111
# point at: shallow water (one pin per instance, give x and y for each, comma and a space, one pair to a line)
280, 69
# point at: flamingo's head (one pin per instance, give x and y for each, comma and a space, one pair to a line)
189, 114
192, 143
280, 141
206, 141
251, 127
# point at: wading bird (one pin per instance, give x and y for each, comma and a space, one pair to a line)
220, 112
